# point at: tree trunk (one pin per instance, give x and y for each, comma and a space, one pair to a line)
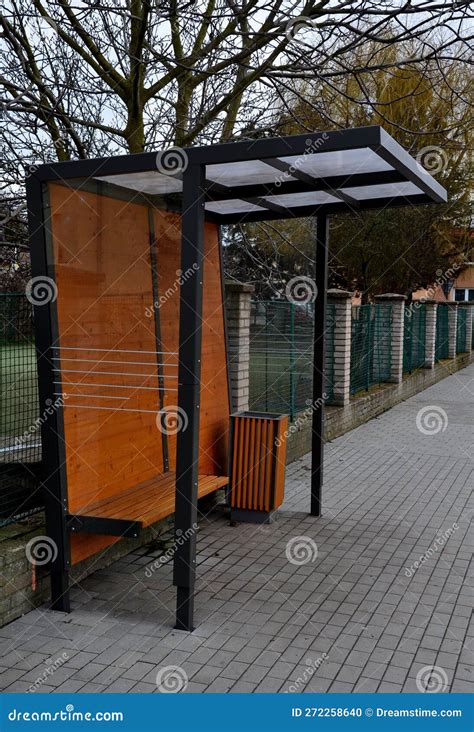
135, 131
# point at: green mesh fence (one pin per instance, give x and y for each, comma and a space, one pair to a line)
20, 445
442, 332
371, 336
461, 330
414, 336
281, 356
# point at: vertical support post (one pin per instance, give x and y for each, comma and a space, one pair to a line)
395, 355
54, 479
430, 334
189, 377
292, 361
342, 302
319, 353
238, 302
452, 328
266, 356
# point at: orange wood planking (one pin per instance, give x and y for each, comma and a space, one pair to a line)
105, 296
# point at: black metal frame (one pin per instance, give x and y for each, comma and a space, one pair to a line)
80, 523
319, 356
54, 479
197, 191
189, 377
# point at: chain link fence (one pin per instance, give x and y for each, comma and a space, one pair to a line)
442, 333
371, 338
461, 330
20, 444
281, 355
414, 337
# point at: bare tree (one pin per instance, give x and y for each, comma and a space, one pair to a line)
82, 78
429, 110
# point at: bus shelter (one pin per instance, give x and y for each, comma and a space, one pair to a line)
130, 323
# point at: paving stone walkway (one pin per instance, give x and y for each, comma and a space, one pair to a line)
373, 596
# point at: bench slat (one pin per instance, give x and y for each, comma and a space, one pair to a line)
150, 501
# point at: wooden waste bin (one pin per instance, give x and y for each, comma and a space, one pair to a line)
257, 481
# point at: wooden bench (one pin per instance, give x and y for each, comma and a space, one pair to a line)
125, 514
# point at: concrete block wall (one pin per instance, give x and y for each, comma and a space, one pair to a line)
238, 297
341, 300
469, 308
452, 328
395, 350
430, 333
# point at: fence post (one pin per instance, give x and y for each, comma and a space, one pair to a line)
342, 302
237, 307
430, 333
452, 328
468, 306
398, 324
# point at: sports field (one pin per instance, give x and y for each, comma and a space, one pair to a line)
18, 391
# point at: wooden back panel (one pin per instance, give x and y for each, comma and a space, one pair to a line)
108, 346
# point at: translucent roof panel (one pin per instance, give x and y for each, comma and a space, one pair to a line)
389, 190
243, 173
309, 198
232, 205
268, 178
340, 162
151, 182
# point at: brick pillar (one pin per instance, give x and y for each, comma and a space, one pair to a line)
452, 327
431, 307
396, 342
342, 302
469, 321
237, 304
